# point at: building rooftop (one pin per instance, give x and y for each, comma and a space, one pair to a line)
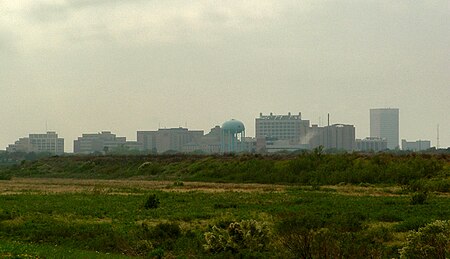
288, 116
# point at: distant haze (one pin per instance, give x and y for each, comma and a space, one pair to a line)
89, 65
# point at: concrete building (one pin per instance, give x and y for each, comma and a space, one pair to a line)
48, 142
384, 123
133, 145
104, 141
291, 132
282, 127
148, 140
230, 138
209, 143
273, 146
336, 136
175, 138
163, 140
415, 146
21, 145
371, 144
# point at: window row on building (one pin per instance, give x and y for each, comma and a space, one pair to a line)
49, 143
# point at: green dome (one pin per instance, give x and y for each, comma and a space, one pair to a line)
233, 126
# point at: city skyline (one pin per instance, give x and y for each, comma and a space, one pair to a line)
285, 131
144, 65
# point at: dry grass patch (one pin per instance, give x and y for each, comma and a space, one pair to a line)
354, 190
53, 185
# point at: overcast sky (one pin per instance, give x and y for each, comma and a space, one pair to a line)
82, 66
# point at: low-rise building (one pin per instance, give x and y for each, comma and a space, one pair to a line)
48, 142
172, 139
209, 143
281, 127
371, 144
336, 136
273, 146
417, 145
101, 142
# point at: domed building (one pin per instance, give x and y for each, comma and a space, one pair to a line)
233, 135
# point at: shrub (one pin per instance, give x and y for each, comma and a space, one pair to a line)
419, 198
225, 206
6, 215
296, 233
150, 168
238, 236
430, 241
299, 242
4, 176
348, 222
143, 246
156, 253
163, 235
152, 202
166, 231
410, 224
389, 217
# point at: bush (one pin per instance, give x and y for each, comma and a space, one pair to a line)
150, 168
237, 237
166, 231
389, 217
225, 206
431, 241
152, 202
6, 215
410, 224
156, 253
164, 236
4, 175
297, 232
419, 198
348, 222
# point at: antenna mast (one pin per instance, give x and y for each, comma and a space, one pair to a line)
437, 142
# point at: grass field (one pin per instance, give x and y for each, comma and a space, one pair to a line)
75, 218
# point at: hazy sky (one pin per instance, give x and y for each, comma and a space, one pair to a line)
84, 66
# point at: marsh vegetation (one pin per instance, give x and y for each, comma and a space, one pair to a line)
307, 206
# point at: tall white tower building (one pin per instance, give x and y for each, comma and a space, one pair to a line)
384, 123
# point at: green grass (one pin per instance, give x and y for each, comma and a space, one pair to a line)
14, 249
111, 220
84, 223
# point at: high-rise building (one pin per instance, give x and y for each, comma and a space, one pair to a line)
384, 123
48, 142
